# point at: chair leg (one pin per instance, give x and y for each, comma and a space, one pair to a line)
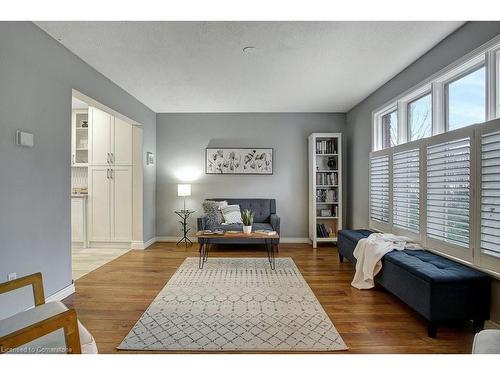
432, 329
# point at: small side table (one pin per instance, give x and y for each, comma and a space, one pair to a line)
184, 215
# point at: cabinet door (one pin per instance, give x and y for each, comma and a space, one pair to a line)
100, 137
77, 226
121, 182
99, 204
121, 145
73, 137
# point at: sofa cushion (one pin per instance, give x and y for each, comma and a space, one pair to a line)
239, 227
212, 211
232, 214
262, 207
432, 267
48, 344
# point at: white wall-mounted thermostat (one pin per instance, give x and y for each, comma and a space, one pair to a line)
24, 139
150, 158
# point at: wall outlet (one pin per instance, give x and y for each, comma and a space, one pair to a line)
12, 276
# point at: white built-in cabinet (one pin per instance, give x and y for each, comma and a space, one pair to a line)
110, 139
110, 178
79, 220
79, 138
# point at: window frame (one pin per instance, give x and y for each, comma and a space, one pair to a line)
377, 130
375, 224
407, 105
398, 135
414, 145
443, 246
483, 260
488, 55
446, 84
494, 76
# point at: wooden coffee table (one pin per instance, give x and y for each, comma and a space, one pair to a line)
268, 239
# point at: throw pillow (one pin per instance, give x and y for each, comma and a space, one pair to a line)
213, 213
232, 214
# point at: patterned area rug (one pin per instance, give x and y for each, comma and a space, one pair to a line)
235, 304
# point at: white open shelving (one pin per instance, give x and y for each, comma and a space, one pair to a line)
325, 186
79, 138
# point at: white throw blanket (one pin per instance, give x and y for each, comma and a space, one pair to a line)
369, 251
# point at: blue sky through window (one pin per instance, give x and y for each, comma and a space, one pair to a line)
467, 100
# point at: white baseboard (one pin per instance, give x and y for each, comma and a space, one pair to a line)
490, 324
172, 239
295, 240
62, 294
282, 240
110, 245
140, 245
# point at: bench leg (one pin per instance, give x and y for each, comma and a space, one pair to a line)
432, 329
341, 258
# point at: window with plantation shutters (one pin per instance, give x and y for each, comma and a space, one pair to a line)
448, 191
406, 190
490, 194
379, 188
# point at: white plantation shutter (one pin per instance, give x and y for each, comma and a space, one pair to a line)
448, 191
379, 188
406, 190
490, 193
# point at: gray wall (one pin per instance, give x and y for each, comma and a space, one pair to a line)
181, 142
37, 75
358, 124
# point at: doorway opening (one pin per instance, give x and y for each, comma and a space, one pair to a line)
106, 184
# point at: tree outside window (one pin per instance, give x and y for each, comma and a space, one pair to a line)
390, 129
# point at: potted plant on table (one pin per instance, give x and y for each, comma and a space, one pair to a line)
247, 217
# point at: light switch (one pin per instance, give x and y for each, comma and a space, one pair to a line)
24, 139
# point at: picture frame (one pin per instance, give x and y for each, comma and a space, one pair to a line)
239, 161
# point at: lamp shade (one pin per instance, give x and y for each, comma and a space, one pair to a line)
183, 190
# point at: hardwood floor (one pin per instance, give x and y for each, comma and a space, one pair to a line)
86, 260
111, 299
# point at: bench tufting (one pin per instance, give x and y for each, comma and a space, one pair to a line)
436, 287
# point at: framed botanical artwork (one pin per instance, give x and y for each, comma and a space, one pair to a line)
239, 161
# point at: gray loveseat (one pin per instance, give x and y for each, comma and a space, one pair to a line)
265, 218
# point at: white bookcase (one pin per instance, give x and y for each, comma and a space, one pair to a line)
325, 186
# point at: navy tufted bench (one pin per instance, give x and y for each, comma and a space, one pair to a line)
437, 288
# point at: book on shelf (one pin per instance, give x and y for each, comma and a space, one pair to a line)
327, 178
326, 146
266, 231
322, 232
326, 195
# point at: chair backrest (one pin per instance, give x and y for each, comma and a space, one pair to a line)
262, 207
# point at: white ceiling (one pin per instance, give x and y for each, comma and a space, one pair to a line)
295, 67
